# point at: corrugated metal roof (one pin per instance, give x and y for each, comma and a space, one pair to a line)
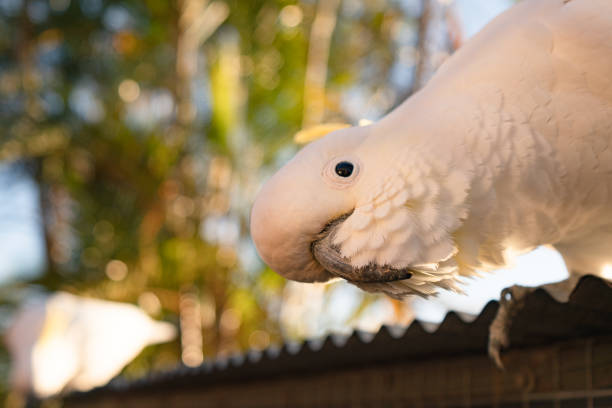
542, 320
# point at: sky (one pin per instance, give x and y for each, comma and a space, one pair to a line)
475, 14
21, 243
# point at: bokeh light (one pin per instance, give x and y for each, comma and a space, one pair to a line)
116, 270
291, 15
129, 90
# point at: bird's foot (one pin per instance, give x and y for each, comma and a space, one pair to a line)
511, 302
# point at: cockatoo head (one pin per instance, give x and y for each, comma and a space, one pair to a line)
319, 185
342, 207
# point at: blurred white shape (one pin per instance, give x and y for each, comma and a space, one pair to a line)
375, 315
84, 102
302, 310
606, 271
223, 230
117, 18
65, 342
162, 103
150, 108
344, 300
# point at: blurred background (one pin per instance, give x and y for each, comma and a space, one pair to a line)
134, 135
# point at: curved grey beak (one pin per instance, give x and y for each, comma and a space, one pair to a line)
329, 256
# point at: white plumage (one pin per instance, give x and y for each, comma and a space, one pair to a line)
509, 146
64, 342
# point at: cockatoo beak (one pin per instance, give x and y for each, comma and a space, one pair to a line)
329, 257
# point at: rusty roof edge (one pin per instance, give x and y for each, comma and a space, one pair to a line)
287, 350
335, 344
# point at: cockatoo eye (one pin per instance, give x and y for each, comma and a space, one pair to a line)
342, 172
344, 169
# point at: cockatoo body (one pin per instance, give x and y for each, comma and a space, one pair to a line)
65, 342
508, 147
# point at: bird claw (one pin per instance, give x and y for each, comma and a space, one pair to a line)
510, 303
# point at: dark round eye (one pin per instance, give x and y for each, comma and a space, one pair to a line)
344, 169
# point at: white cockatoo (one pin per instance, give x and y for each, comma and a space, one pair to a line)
65, 342
508, 147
